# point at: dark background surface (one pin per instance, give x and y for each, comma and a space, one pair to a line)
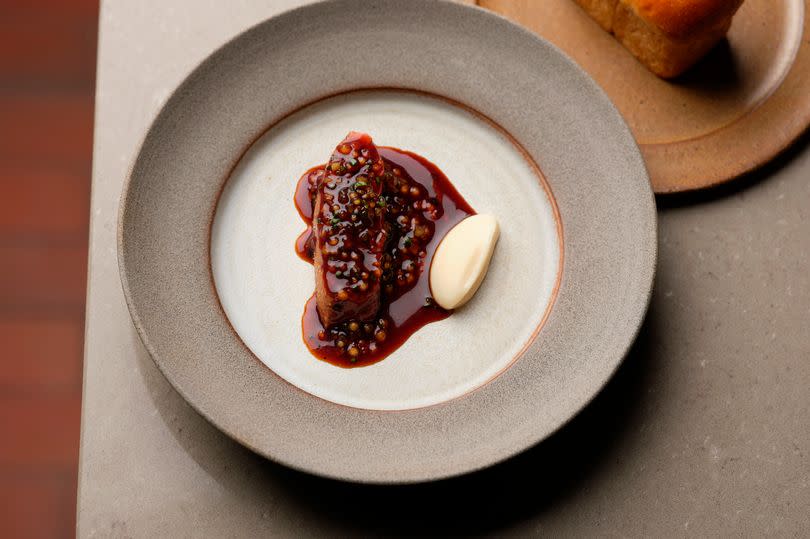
47, 68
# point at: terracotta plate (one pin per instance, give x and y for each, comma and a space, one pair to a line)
207, 227
734, 111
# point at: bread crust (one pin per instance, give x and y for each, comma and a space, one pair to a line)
684, 18
668, 36
602, 11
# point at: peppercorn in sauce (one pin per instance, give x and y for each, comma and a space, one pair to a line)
375, 217
350, 232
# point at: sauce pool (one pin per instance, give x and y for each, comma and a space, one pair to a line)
406, 303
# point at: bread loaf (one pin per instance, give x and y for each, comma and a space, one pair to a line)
668, 36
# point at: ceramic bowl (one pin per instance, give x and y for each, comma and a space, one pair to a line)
207, 226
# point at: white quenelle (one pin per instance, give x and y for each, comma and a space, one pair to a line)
462, 259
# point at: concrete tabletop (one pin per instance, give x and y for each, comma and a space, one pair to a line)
704, 430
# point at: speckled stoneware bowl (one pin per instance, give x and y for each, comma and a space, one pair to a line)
207, 228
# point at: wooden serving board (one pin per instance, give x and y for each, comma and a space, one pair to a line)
740, 106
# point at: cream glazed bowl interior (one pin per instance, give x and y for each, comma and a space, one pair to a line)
263, 285
207, 228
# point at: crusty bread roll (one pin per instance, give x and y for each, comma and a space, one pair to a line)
667, 36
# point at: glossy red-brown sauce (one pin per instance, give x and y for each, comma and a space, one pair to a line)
422, 206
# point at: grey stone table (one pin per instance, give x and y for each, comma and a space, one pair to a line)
704, 430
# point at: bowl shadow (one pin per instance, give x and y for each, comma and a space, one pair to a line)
489, 500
